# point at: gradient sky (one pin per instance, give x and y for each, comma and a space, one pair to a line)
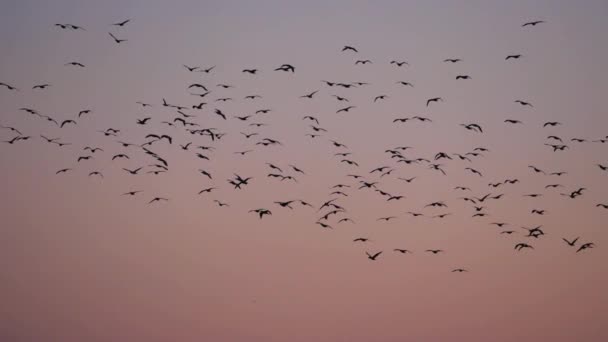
79, 261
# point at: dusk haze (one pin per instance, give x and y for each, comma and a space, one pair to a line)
303, 171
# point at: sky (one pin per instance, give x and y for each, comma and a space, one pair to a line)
81, 261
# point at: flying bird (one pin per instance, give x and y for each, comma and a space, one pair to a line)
570, 243
118, 41
585, 246
373, 256
434, 99
533, 23
512, 57
122, 23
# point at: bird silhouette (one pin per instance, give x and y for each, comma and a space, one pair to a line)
522, 245
570, 243
434, 99
399, 64
585, 246
533, 23
122, 23
261, 212
287, 68
373, 256
346, 109
118, 41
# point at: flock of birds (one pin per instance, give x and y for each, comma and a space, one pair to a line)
185, 118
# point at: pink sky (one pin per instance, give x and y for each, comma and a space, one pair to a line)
81, 262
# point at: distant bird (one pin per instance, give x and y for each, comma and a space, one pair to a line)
76, 27
472, 127
339, 98
96, 173
405, 83
512, 57
585, 246
346, 109
122, 23
386, 219
402, 251
474, 171
13, 129
78, 64
399, 64
205, 173
452, 60
380, 97
65, 122
84, 112
537, 170
143, 121
120, 155
250, 71
553, 186
570, 243
221, 204
532, 23
261, 212
133, 172
310, 95
346, 48
294, 168
434, 99
196, 85
522, 245
286, 67
285, 204
463, 77
420, 118
118, 41
513, 121
206, 190
524, 103
374, 256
